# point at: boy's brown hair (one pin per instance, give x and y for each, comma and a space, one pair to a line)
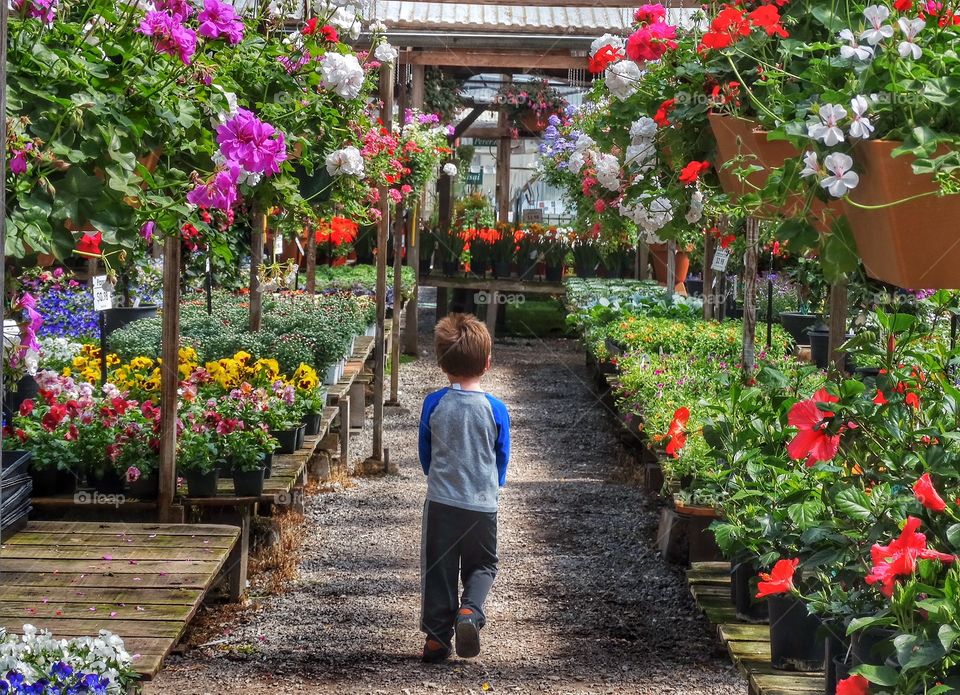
463, 345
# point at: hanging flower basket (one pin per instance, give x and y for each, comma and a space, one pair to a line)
736, 140
913, 244
533, 122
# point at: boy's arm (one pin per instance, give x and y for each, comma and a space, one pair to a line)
502, 418
426, 437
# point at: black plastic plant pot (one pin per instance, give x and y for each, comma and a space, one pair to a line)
248, 483
424, 266
118, 317
554, 273
701, 542
27, 389
840, 670
268, 465
450, 268
743, 591
798, 324
871, 646
107, 481
835, 652
501, 269
202, 484
312, 423
14, 463
48, 482
301, 433
146, 487
478, 268
585, 271
694, 287
224, 468
820, 346
795, 642
287, 440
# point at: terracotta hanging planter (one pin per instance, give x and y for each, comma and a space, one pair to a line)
681, 265
736, 140
912, 244
533, 123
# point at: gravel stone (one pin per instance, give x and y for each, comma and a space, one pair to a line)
583, 602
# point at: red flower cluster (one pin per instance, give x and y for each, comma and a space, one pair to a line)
733, 23
662, 116
602, 59
191, 237
678, 432
337, 231
779, 580
691, 172
899, 558
313, 27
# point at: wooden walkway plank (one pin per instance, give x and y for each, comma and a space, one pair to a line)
64, 540
60, 595
122, 529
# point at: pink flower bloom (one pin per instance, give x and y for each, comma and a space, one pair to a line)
44, 10
18, 163
395, 195
650, 14
218, 20
181, 9
651, 42
169, 35
147, 230
252, 143
219, 193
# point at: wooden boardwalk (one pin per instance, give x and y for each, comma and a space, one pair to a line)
748, 643
143, 582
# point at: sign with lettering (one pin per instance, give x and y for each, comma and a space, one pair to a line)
102, 293
720, 260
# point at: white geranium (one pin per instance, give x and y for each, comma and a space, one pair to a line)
643, 129
606, 40
642, 155
860, 126
608, 171
841, 178
342, 73
811, 167
576, 162
377, 27
584, 142
386, 53
853, 49
876, 30
345, 162
450, 169
622, 79
826, 128
695, 212
908, 48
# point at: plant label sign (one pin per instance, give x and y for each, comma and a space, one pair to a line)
102, 293
720, 260
278, 244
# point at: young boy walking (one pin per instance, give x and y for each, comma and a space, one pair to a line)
464, 449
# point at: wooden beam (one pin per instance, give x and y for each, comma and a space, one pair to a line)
498, 60
488, 132
169, 377
411, 336
503, 166
257, 232
709, 248
311, 260
838, 325
749, 360
468, 121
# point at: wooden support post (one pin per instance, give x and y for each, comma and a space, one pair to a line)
4, 13
504, 145
395, 338
257, 233
311, 261
709, 295
169, 378
493, 306
386, 117
239, 559
344, 433
411, 336
358, 405
749, 360
838, 325
671, 268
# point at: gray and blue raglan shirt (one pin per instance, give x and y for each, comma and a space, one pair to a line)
464, 448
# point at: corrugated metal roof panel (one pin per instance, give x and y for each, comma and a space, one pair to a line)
584, 21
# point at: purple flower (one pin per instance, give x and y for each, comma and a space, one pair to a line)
554, 120
292, 66
219, 193
147, 230
181, 9
218, 19
169, 35
44, 10
254, 145
18, 163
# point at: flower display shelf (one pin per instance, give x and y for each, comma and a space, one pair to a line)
143, 582
748, 644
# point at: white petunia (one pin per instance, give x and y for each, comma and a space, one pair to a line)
345, 162
910, 28
622, 79
642, 155
877, 31
386, 53
853, 49
342, 73
450, 169
811, 167
841, 178
605, 40
643, 129
860, 126
695, 213
826, 128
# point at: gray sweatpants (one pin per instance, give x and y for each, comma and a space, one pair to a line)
457, 544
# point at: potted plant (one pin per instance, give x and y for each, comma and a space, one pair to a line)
198, 456
281, 422
43, 430
530, 104
311, 396
586, 253
246, 449
810, 288
504, 250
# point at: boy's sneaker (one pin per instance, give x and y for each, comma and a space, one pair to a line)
468, 634
435, 651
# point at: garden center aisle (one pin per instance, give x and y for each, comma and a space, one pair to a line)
582, 603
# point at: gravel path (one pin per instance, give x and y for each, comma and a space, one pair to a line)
583, 604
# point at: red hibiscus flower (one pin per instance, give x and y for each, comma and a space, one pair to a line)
813, 442
691, 172
854, 685
899, 558
89, 244
927, 495
779, 580
677, 432
880, 399
603, 58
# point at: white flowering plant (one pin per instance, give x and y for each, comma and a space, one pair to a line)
98, 664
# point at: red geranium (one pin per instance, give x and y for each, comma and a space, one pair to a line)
690, 173
854, 685
813, 442
310, 27
26, 408
603, 58
767, 17
662, 115
89, 244
677, 432
899, 558
927, 495
330, 34
779, 580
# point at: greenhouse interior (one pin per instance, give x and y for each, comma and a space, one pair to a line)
575, 346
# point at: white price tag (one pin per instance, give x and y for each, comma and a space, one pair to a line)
102, 293
300, 246
278, 244
720, 260
208, 264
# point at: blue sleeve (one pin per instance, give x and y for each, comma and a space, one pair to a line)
502, 418
430, 404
